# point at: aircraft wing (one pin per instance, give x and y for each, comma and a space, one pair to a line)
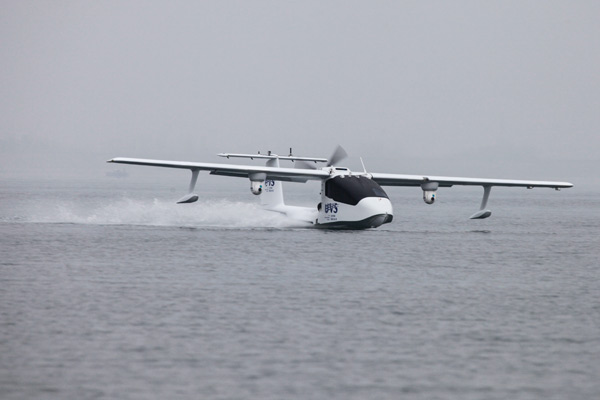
241, 171
447, 181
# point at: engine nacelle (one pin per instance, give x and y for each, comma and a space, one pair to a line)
429, 191
256, 187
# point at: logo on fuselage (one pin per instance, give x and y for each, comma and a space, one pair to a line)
331, 208
269, 185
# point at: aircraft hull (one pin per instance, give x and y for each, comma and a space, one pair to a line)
370, 212
367, 223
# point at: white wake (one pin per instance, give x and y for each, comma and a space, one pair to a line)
219, 213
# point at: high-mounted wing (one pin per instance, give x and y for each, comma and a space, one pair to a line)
242, 171
430, 184
256, 174
447, 181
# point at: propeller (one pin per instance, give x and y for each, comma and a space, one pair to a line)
301, 164
338, 155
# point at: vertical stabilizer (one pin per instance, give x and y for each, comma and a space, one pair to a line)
272, 195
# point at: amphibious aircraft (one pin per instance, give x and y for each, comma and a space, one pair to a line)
349, 200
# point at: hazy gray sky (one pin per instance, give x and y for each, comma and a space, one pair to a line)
507, 89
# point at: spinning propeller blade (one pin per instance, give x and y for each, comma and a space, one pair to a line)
338, 155
301, 164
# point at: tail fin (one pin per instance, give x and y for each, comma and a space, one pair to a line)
272, 195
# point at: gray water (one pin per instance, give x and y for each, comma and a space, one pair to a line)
110, 290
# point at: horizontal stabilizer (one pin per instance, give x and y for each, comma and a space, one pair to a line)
272, 157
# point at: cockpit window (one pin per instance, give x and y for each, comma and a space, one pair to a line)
352, 189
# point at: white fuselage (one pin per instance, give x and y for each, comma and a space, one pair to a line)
369, 212
348, 201
352, 201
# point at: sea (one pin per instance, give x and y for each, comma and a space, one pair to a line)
110, 290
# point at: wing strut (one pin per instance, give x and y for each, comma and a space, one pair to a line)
191, 196
483, 212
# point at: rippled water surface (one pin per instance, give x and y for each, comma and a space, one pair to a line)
110, 290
